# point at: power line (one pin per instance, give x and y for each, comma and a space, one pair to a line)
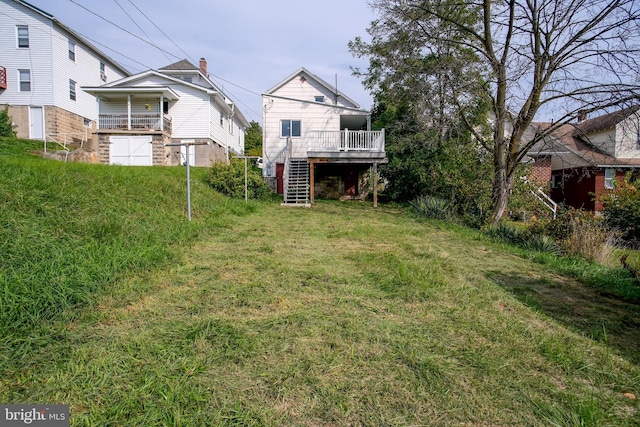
123, 29
140, 28
160, 29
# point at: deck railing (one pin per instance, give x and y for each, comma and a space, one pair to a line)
346, 140
3, 78
135, 121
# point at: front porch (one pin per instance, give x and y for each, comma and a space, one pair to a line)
134, 108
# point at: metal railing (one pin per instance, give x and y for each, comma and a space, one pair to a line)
546, 200
347, 140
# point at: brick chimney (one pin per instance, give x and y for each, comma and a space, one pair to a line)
203, 66
582, 116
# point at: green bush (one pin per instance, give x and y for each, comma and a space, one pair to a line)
622, 209
6, 124
229, 179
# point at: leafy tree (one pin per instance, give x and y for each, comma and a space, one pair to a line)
253, 140
519, 58
424, 161
6, 124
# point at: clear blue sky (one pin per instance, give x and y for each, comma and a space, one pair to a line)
252, 44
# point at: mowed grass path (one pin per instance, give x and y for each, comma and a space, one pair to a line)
331, 316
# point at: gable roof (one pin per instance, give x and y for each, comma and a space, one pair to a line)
606, 121
307, 73
76, 35
573, 137
183, 65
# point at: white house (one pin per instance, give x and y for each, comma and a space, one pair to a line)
141, 114
317, 142
43, 65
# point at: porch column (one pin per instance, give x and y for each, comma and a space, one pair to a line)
311, 181
375, 184
162, 112
129, 112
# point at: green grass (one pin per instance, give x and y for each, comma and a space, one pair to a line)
337, 315
70, 230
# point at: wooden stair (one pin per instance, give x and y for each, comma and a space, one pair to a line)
296, 192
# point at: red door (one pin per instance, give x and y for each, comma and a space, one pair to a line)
279, 178
351, 182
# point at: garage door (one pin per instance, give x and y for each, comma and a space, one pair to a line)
130, 150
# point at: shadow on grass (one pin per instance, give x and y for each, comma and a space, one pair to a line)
599, 316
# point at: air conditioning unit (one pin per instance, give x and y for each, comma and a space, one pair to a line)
103, 77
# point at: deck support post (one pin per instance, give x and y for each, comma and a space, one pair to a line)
311, 181
375, 184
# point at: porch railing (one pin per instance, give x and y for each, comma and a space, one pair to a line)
135, 121
347, 140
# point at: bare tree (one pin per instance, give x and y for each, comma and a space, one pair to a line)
541, 59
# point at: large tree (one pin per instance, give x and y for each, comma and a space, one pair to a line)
524, 59
253, 140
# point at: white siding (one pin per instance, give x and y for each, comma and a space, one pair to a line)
628, 138
47, 58
308, 90
313, 117
604, 140
36, 58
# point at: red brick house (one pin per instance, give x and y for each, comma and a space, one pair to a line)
580, 161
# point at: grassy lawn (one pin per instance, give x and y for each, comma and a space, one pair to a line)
262, 315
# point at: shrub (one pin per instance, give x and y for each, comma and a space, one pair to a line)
579, 233
6, 124
229, 179
431, 207
622, 209
508, 232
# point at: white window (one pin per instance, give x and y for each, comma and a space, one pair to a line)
24, 78
23, 36
609, 178
292, 128
72, 51
221, 119
231, 126
103, 76
72, 90
319, 98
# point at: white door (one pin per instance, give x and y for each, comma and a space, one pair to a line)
36, 123
130, 150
